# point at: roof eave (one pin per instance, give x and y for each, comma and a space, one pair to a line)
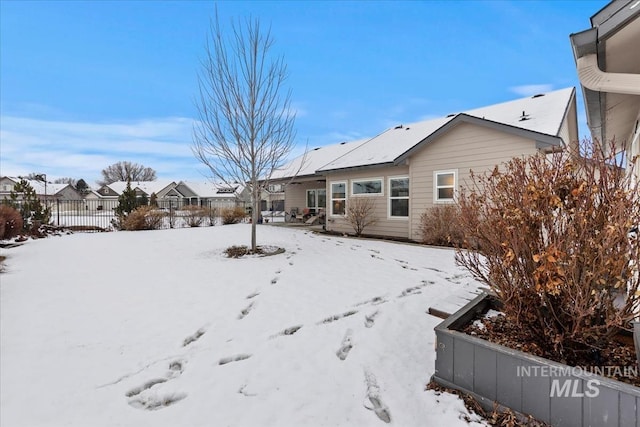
357, 168
586, 43
542, 140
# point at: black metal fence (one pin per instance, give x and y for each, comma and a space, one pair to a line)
98, 215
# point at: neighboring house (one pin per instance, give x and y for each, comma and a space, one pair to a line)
54, 195
410, 168
142, 188
104, 201
170, 194
212, 195
608, 64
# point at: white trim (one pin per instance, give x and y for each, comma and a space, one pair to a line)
316, 190
354, 181
330, 198
389, 198
436, 200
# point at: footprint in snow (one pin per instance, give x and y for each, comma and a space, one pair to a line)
410, 291
253, 295
370, 319
289, 331
143, 397
346, 345
375, 403
236, 358
154, 402
146, 386
372, 301
194, 337
245, 311
337, 317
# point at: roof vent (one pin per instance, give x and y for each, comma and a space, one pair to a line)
398, 127
538, 95
450, 115
524, 117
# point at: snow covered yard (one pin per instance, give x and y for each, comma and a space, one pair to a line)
159, 328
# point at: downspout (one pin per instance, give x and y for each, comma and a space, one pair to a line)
592, 77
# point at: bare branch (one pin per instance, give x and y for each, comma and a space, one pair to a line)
245, 128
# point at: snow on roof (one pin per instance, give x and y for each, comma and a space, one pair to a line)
543, 114
207, 189
148, 187
39, 187
315, 159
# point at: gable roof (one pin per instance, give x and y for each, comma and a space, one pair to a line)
148, 187
539, 117
307, 165
39, 187
209, 190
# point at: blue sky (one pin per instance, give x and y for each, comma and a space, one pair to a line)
86, 84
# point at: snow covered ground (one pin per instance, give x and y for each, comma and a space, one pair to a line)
159, 328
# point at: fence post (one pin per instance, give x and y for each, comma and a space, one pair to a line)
170, 213
58, 210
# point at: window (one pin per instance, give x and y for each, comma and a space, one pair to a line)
369, 186
316, 199
338, 197
399, 197
445, 184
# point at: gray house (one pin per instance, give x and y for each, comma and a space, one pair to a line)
412, 167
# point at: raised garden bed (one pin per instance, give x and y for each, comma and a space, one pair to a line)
549, 391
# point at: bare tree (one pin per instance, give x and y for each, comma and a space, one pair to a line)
246, 126
360, 213
71, 181
126, 171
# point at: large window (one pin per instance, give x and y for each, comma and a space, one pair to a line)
338, 197
399, 197
366, 187
317, 199
445, 184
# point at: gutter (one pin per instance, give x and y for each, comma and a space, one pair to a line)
592, 77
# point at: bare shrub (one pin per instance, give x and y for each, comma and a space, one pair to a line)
194, 215
556, 248
143, 218
232, 215
439, 226
359, 213
10, 222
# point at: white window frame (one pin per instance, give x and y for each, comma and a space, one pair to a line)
355, 181
330, 199
436, 187
408, 197
316, 191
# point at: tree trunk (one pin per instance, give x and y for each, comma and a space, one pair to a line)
255, 214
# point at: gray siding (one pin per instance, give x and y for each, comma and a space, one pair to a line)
466, 147
569, 128
384, 226
295, 195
